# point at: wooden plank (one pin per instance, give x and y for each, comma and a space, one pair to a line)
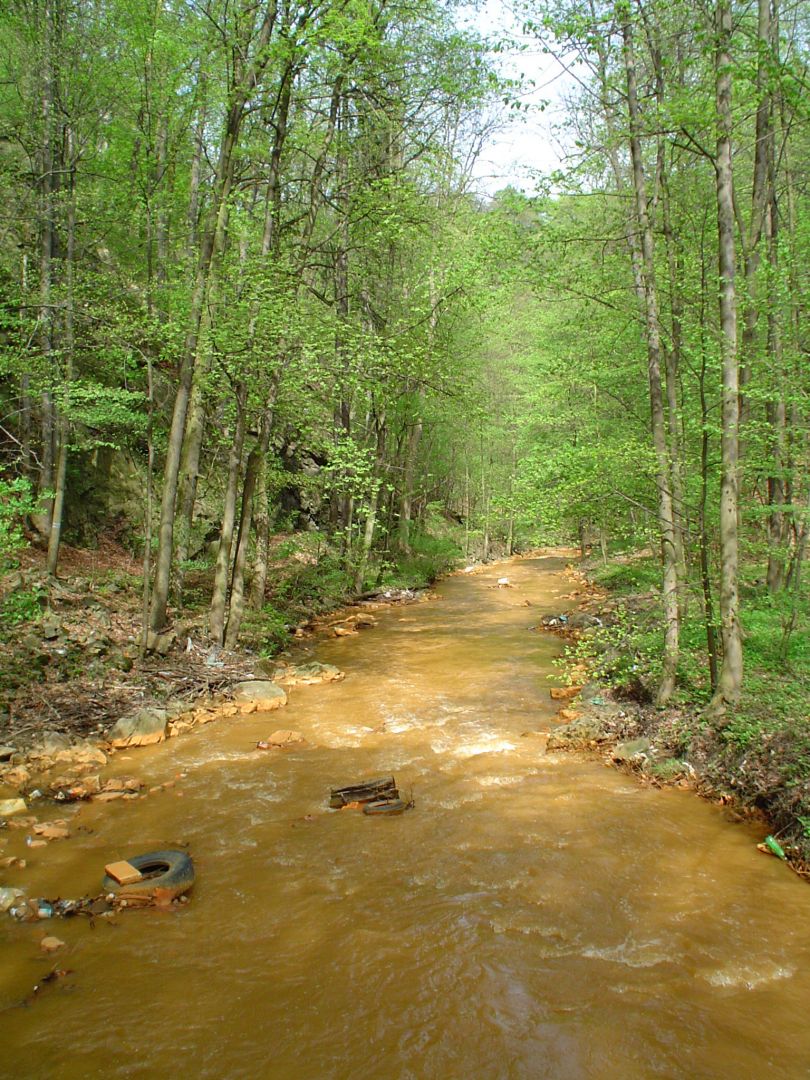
368, 791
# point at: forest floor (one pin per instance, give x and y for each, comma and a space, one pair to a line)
756, 761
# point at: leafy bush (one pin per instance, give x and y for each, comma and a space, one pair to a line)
16, 501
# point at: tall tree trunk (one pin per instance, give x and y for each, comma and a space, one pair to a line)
669, 553
219, 598
408, 474
47, 197
729, 684
63, 424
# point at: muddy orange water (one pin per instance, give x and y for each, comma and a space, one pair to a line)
534, 916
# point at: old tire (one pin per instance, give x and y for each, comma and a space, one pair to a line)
169, 872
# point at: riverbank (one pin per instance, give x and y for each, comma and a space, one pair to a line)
755, 763
69, 648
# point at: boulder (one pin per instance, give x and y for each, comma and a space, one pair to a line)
82, 754
7, 752
50, 746
144, 728
160, 643
308, 674
258, 695
564, 693
17, 777
581, 620
628, 751
9, 807
279, 740
579, 733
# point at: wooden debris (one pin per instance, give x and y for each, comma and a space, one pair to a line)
369, 791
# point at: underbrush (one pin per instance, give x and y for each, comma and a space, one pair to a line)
760, 750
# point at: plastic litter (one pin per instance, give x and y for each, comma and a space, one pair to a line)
775, 849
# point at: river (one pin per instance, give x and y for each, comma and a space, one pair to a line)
535, 915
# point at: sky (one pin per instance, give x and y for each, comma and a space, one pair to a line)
526, 146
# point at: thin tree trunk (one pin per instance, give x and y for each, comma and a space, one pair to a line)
669, 554
147, 525
219, 598
731, 672
47, 192
236, 606
63, 424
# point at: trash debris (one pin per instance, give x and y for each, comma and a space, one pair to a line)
373, 797
123, 872
165, 875
551, 622
505, 583
386, 806
366, 792
772, 847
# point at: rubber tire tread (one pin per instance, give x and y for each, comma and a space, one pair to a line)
178, 877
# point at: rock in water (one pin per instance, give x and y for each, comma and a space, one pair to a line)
144, 728
9, 807
258, 695
307, 674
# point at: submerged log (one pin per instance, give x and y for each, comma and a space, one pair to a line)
369, 791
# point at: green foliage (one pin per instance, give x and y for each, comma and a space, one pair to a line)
18, 607
16, 502
635, 575
430, 557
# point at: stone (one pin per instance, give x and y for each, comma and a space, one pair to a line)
582, 732
9, 807
160, 644
259, 695
17, 777
281, 739
50, 745
50, 627
51, 944
343, 631
567, 716
143, 729
581, 620
9, 897
180, 727
629, 750
308, 674
122, 783
7, 752
564, 693
52, 830
82, 754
